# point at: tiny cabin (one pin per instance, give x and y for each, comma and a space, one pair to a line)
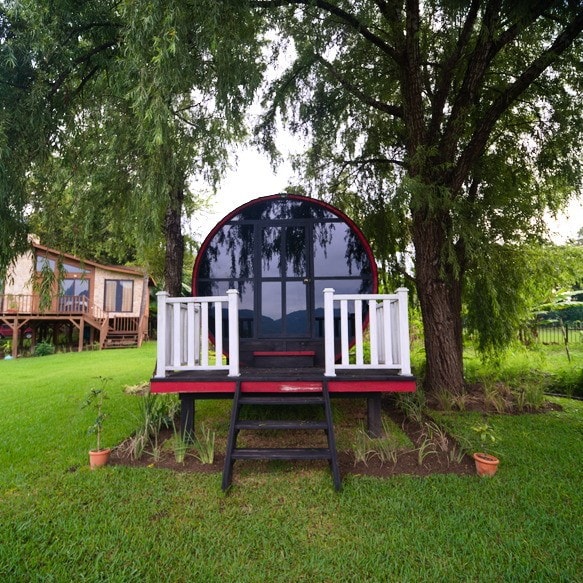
285, 304
90, 303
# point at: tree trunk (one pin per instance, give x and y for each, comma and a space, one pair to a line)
174, 258
439, 291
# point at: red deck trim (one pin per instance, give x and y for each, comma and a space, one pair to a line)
219, 387
227, 387
388, 386
284, 353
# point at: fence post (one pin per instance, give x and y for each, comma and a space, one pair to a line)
404, 342
161, 335
233, 296
329, 332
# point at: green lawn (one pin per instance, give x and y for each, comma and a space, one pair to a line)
59, 521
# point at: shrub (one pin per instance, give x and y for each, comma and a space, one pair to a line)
43, 349
568, 381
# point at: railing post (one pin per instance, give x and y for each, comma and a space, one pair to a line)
233, 296
329, 332
161, 333
403, 294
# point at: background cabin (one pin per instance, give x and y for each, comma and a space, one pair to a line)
285, 308
88, 302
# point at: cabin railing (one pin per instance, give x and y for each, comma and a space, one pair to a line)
30, 304
183, 333
388, 331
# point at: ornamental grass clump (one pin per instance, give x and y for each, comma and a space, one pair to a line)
204, 444
155, 412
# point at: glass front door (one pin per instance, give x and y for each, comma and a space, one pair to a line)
284, 270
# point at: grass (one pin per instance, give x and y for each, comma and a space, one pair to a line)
60, 521
547, 367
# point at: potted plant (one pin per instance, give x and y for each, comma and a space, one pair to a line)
486, 463
100, 455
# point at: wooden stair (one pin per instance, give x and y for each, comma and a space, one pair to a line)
319, 399
120, 332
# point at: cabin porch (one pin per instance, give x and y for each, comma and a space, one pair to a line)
286, 312
63, 315
283, 381
377, 362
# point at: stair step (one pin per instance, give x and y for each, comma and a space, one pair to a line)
282, 453
284, 358
286, 400
234, 453
280, 424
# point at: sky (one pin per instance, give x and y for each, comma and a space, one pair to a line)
252, 177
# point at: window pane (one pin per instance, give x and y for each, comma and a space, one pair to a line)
296, 308
283, 209
295, 252
127, 295
43, 261
74, 269
271, 322
229, 253
340, 286
271, 251
110, 289
119, 295
75, 287
338, 251
74, 295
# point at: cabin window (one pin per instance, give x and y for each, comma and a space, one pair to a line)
75, 270
42, 262
119, 295
74, 295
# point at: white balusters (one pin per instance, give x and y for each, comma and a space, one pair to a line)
388, 328
183, 333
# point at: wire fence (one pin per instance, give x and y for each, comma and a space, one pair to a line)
557, 334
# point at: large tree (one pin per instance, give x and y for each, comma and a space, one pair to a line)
128, 101
449, 125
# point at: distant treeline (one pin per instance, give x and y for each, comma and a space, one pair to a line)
568, 313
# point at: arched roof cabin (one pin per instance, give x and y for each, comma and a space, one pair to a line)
285, 310
280, 253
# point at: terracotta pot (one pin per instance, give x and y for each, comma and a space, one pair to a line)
98, 458
486, 464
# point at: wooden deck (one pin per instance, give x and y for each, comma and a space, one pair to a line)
216, 384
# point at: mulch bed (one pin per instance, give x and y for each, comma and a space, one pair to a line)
436, 462
439, 460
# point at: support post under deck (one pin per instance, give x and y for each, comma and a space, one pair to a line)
373, 415
187, 409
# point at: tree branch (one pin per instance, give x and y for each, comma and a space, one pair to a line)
56, 85
349, 19
379, 160
444, 84
480, 138
393, 110
482, 55
412, 86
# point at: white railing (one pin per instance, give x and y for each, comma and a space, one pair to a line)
388, 331
183, 333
